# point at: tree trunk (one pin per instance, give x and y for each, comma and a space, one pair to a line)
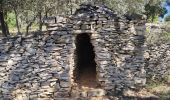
7, 28
46, 13
2, 21
152, 18
40, 21
29, 25
6, 24
3, 26
17, 23
71, 9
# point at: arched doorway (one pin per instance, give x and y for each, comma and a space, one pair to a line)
85, 71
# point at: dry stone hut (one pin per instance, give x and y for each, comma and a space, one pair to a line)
94, 48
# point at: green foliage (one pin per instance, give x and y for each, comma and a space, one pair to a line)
164, 95
11, 20
167, 18
153, 9
159, 88
166, 35
167, 79
152, 84
155, 19
167, 23
164, 11
27, 11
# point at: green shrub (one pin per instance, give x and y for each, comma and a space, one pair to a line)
155, 20
167, 23
166, 35
11, 20
167, 18
167, 79
164, 95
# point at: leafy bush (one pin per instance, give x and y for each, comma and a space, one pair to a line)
164, 95
167, 18
167, 79
166, 35
11, 20
167, 23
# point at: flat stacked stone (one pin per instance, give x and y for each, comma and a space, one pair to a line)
157, 61
40, 66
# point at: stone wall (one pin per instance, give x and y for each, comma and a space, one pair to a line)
118, 45
41, 66
157, 52
35, 67
156, 34
157, 61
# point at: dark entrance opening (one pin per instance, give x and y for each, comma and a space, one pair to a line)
85, 71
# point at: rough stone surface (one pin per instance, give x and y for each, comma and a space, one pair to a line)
157, 52
157, 61
40, 66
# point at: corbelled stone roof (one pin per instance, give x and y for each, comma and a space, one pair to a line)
92, 11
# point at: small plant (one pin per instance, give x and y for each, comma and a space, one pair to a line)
167, 23
166, 35
167, 79
152, 85
164, 95
11, 20
167, 18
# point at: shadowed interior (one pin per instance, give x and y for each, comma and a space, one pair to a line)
85, 71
